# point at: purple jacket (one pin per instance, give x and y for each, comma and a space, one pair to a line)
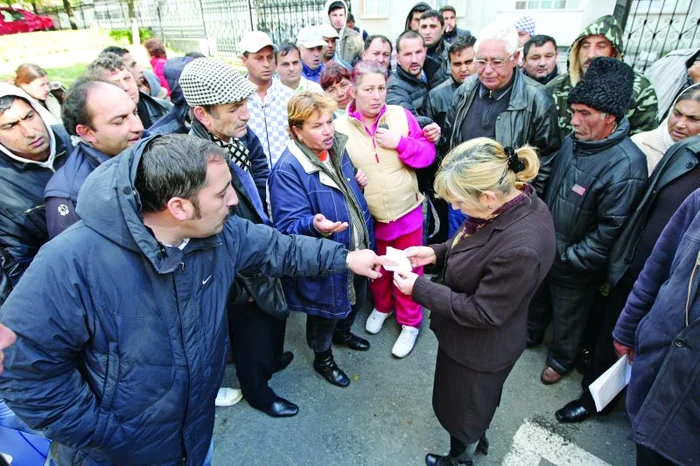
661, 321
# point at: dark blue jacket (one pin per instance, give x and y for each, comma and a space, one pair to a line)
122, 341
661, 321
299, 191
61, 193
22, 209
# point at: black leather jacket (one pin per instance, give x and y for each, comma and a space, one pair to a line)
595, 187
679, 160
529, 119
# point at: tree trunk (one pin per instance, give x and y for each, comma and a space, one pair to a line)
69, 12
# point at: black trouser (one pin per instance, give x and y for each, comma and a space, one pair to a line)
603, 355
568, 305
320, 330
258, 341
647, 457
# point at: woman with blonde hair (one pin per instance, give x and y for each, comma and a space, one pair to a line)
34, 80
315, 191
488, 273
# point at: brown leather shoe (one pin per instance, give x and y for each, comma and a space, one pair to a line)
550, 376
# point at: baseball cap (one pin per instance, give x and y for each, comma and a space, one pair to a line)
328, 31
254, 41
310, 37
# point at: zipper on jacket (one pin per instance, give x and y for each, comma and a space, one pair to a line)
182, 265
36, 207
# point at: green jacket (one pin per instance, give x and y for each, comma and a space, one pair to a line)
644, 105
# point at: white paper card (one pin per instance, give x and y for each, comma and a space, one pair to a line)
397, 256
607, 386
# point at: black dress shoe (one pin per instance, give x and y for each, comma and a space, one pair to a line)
281, 408
437, 460
330, 371
284, 361
574, 411
483, 446
352, 341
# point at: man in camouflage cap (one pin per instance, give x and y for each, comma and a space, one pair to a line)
603, 38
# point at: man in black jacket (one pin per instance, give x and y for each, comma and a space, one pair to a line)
436, 60
217, 95
598, 178
30, 152
408, 85
675, 177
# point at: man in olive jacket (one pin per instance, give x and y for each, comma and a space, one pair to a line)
503, 104
599, 176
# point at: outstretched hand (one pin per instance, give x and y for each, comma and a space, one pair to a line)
420, 255
366, 263
327, 227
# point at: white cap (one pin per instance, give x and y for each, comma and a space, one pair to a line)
310, 37
328, 31
254, 41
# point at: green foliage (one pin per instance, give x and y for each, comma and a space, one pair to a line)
124, 35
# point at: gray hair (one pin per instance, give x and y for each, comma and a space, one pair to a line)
499, 31
109, 62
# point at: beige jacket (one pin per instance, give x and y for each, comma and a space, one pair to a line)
392, 189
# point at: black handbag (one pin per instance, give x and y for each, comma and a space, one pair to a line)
267, 293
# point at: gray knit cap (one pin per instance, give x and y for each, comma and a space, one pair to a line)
208, 81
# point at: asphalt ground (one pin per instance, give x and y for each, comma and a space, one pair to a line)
385, 416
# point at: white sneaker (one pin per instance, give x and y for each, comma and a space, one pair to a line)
376, 320
404, 344
228, 396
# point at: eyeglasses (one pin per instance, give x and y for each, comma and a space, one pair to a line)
496, 63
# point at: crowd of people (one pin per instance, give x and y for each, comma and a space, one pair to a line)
155, 224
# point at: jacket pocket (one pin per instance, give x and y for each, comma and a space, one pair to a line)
111, 377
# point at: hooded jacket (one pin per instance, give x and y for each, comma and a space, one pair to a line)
138, 329
423, 5
661, 321
529, 119
595, 187
22, 182
644, 105
350, 44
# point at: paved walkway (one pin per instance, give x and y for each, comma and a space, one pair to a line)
385, 416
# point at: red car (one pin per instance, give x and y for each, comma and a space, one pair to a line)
14, 20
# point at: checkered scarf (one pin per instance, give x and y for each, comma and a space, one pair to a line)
237, 150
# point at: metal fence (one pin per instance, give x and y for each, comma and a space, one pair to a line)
655, 27
218, 24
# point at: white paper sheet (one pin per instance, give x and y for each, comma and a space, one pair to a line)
607, 386
397, 256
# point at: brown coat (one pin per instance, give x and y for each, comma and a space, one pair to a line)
479, 314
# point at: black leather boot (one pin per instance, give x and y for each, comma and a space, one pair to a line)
326, 366
460, 454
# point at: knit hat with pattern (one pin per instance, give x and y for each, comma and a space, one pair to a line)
606, 86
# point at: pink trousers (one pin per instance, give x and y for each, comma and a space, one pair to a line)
386, 295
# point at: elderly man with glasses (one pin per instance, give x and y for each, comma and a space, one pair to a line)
503, 104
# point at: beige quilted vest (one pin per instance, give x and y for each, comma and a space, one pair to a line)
392, 189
